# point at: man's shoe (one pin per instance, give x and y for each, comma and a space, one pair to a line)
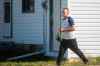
86, 61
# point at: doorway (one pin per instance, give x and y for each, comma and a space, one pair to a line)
51, 24
54, 21
7, 23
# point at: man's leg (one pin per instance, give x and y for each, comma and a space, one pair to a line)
60, 57
75, 49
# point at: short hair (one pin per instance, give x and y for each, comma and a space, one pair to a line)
65, 9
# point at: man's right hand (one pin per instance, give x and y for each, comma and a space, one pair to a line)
61, 30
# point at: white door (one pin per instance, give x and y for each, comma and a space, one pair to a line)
29, 21
87, 18
54, 13
58, 7
57, 17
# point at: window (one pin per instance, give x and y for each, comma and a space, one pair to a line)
7, 11
27, 6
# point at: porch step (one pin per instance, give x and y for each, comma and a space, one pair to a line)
6, 40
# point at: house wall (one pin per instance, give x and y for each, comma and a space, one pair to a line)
87, 19
28, 27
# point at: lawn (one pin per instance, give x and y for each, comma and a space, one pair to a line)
45, 61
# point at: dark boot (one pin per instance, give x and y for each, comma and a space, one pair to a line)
84, 59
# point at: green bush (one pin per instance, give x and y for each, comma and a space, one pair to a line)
98, 59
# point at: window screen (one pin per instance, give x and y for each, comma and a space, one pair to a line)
27, 6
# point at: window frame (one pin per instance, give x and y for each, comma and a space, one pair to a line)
28, 6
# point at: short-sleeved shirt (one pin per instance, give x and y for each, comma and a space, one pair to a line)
65, 24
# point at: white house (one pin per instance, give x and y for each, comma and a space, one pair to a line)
28, 22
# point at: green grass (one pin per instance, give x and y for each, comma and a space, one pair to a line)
49, 63
41, 63
45, 61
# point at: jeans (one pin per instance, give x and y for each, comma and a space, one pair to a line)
71, 44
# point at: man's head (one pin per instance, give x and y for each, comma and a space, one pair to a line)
65, 12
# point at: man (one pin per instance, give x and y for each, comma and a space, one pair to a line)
68, 38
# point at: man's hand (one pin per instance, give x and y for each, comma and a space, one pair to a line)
61, 30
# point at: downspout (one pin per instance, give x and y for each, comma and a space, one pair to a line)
51, 24
44, 5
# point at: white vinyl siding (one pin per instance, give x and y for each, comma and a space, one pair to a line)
86, 14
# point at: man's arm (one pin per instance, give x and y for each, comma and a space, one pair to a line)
61, 29
68, 29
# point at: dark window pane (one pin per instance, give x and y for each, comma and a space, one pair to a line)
7, 15
27, 6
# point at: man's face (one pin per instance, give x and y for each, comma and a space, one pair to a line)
66, 12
